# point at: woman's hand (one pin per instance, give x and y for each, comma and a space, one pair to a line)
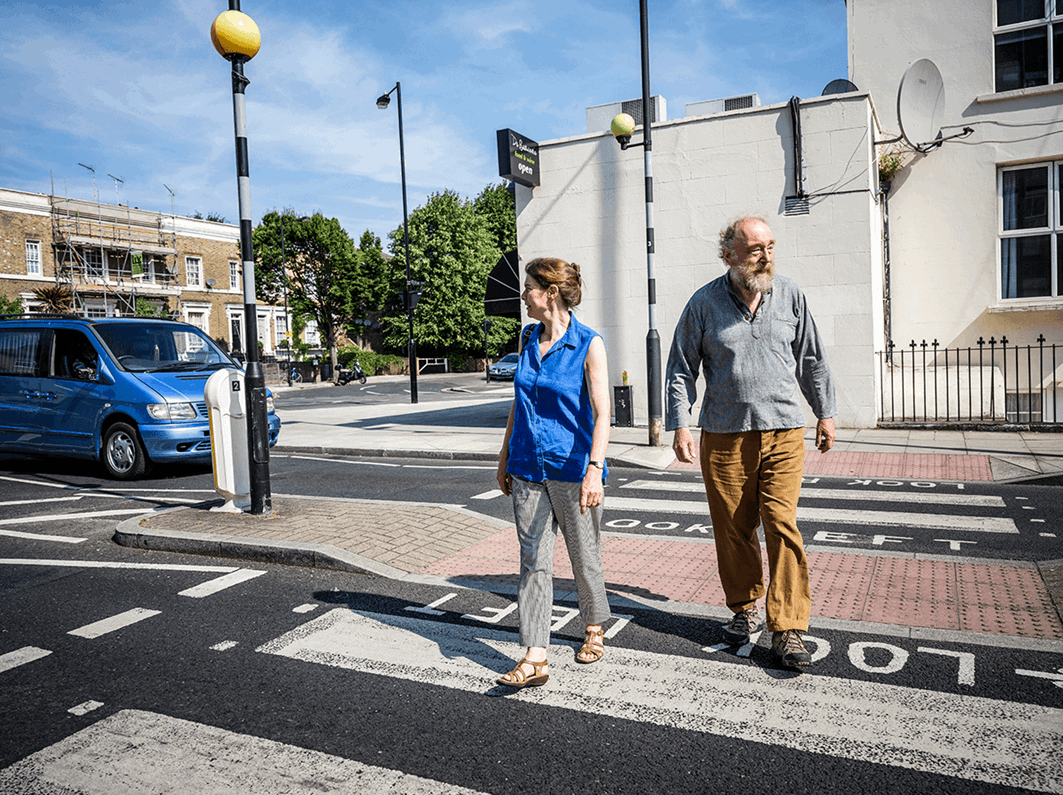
505, 481
591, 490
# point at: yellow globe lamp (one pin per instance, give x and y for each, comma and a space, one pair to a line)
623, 124
235, 35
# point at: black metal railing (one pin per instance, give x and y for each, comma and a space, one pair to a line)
991, 382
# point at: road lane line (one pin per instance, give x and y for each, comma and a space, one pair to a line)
112, 564
63, 517
976, 524
42, 537
967, 737
917, 497
221, 583
27, 654
114, 623
49, 499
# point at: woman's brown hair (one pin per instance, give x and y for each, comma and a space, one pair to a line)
564, 275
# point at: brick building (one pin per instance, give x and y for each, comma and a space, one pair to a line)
113, 258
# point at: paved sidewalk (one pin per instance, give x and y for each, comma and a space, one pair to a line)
1004, 602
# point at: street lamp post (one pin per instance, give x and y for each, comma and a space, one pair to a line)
287, 318
622, 127
382, 102
236, 38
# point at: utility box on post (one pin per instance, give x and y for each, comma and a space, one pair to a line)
622, 406
226, 406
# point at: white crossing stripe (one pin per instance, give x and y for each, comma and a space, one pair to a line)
967, 737
132, 752
221, 583
976, 524
872, 495
27, 654
85, 708
98, 628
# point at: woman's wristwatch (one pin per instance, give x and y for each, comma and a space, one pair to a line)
599, 464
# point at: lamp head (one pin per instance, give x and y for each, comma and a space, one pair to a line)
622, 126
383, 101
235, 35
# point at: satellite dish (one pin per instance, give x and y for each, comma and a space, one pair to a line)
921, 104
840, 86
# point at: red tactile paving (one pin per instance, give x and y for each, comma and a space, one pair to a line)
975, 597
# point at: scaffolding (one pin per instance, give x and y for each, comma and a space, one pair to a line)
114, 253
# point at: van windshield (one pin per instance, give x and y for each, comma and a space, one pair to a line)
157, 347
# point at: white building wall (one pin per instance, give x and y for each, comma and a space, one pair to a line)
944, 212
707, 170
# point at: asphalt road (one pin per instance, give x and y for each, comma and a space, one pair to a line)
129, 669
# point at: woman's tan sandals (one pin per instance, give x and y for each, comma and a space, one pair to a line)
593, 647
518, 679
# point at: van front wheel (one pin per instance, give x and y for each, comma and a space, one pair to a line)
123, 454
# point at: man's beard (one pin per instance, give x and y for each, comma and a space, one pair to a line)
752, 278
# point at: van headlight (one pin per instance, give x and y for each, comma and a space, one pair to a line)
269, 404
172, 411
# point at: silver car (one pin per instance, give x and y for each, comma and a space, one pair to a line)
505, 368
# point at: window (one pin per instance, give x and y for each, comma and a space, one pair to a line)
280, 330
194, 271
234, 275
20, 352
1028, 43
311, 334
94, 267
1031, 231
33, 258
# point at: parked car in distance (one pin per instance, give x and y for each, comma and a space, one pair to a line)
127, 392
505, 368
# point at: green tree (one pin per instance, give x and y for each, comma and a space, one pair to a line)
372, 286
10, 306
495, 205
321, 270
451, 252
145, 308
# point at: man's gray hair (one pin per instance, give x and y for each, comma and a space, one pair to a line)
727, 235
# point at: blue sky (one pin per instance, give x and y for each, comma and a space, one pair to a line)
137, 90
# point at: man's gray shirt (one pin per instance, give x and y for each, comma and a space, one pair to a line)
754, 364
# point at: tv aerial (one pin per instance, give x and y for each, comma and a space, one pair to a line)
920, 108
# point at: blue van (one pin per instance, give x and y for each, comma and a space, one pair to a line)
127, 392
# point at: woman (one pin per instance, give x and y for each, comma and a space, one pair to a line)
553, 463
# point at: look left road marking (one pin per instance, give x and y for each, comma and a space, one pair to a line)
114, 623
963, 736
221, 583
27, 654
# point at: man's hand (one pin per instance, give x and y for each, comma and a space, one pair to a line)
683, 445
825, 434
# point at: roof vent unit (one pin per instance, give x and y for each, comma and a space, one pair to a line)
711, 106
599, 117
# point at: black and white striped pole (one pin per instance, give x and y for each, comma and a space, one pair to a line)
622, 127
237, 39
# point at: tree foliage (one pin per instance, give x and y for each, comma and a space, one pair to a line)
451, 252
372, 286
321, 269
495, 205
10, 306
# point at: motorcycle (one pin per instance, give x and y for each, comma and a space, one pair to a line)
346, 375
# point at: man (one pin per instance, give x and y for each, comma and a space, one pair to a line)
753, 335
